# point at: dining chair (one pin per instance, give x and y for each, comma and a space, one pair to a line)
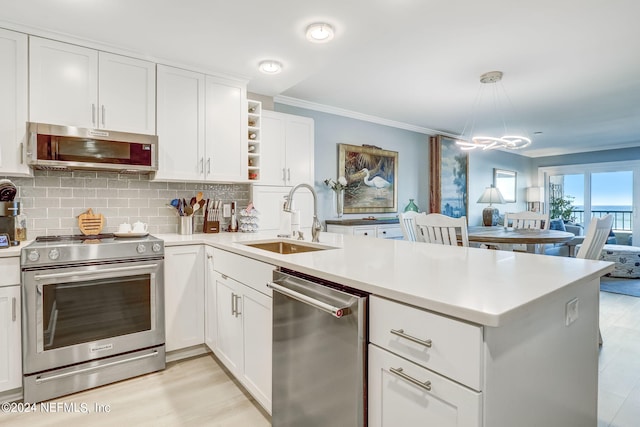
594, 241
527, 220
443, 230
408, 225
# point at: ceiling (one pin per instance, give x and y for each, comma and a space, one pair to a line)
571, 67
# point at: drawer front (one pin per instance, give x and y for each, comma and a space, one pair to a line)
339, 229
447, 346
402, 393
255, 274
389, 232
9, 271
364, 231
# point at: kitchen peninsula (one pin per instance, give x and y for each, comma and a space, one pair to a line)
514, 334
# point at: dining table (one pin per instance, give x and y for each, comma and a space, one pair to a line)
532, 238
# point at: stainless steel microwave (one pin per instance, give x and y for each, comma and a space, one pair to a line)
54, 147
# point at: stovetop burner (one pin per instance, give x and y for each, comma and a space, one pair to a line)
74, 237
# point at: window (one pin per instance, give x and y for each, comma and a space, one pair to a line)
581, 192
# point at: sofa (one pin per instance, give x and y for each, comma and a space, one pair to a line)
566, 248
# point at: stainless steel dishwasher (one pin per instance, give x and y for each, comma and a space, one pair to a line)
319, 352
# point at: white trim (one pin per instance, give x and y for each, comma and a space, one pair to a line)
295, 102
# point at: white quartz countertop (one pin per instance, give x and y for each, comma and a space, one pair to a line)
482, 286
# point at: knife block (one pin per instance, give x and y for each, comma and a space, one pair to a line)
211, 227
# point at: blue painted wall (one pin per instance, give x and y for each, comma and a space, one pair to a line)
413, 159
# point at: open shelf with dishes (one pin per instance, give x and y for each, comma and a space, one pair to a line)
254, 113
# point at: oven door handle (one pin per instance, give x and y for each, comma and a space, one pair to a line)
94, 272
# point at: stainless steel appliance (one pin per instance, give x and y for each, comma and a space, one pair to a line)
319, 352
93, 310
55, 147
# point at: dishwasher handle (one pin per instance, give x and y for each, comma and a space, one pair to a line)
327, 308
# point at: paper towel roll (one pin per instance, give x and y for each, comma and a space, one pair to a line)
295, 222
285, 224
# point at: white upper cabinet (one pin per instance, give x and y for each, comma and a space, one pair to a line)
181, 124
13, 102
287, 144
77, 86
201, 123
127, 94
226, 124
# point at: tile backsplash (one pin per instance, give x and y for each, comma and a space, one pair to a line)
52, 200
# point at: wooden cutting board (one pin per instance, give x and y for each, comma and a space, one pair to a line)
90, 224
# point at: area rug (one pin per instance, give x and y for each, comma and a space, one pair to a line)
620, 286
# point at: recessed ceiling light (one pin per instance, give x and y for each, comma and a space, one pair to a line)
270, 66
319, 32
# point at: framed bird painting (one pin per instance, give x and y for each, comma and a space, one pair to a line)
372, 178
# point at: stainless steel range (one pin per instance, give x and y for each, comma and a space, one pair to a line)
93, 310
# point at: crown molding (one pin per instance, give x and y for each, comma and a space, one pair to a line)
295, 102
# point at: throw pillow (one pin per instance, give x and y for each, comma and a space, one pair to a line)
557, 224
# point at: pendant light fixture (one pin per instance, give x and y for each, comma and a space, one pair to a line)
492, 80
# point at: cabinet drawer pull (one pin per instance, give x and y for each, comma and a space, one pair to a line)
284, 177
233, 305
400, 333
398, 371
13, 309
93, 115
104, 113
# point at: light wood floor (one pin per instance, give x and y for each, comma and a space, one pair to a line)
198, 392
619, 378
191, 392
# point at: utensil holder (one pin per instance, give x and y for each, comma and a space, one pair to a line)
211, 227
185, 225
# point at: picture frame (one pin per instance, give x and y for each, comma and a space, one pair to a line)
448, 177
507, 182
372, 177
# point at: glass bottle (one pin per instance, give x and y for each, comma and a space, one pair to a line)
21, 227
411, 207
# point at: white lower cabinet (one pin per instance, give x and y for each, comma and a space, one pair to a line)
424, 369
10, 338
383, 231
184, 296
402, 393
243, 321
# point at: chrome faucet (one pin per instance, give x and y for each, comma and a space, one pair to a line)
316, 227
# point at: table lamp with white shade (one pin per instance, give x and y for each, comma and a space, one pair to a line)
534, 198
490, 214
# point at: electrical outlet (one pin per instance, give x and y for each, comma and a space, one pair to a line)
571, 312
226, 210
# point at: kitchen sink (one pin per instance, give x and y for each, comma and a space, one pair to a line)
287, 246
